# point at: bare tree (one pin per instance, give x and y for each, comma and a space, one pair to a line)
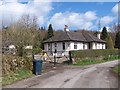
22, 33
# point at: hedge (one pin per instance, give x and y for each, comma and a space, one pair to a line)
94, 53
12, 63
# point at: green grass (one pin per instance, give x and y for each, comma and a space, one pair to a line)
90, 61
16, 76
117, 69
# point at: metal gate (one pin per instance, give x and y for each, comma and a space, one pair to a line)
57, 57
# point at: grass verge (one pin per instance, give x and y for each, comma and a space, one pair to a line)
90, 61
16, 76
116, 69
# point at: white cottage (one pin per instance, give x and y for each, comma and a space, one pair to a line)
66, 41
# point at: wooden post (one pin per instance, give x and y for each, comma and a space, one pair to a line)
70, 58
54, 60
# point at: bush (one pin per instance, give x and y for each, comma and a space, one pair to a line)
111, 57
12, 63
37, 50
94, 53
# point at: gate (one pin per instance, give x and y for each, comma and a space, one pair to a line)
60, 57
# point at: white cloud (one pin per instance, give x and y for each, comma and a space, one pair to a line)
115, 9
106, 20
13, 10
90, 15
79, 20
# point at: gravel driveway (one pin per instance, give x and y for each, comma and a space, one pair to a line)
92, 76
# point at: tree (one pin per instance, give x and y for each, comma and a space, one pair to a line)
50, 31
23, 33
117, 40
42, 28
37, 39
110, 44
104, 34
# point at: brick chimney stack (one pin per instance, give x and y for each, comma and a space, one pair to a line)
98, 36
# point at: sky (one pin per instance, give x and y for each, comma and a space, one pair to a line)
77, 15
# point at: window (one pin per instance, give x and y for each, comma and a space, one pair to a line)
63, 46
75, 45
83, 46
95, 45
55, 44
102, 46
48, 46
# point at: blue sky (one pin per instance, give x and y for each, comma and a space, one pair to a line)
77, 15
100, 8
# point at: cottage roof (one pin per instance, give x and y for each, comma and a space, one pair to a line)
73, 36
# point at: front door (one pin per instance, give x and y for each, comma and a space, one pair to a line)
90, 45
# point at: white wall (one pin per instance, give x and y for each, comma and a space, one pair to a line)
70, 46
79, 46
96, 45
11, 46
59, 47
46, 46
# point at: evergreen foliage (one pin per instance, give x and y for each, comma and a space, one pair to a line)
117, 40
104, 34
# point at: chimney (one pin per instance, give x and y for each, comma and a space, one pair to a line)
66, 28
98, 35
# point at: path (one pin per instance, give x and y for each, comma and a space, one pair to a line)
93, 76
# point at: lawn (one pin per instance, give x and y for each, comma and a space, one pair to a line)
117, 69
90, 61
16, 76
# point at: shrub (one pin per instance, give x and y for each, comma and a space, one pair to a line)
94, 53
37, 50
12, 63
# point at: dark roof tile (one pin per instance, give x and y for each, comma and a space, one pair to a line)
73, 36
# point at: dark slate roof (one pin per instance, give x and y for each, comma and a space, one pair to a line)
73, 36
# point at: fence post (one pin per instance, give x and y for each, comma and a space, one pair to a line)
70, 58
54, 60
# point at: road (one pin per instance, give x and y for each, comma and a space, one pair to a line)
92, 76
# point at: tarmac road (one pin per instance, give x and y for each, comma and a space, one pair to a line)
93, 76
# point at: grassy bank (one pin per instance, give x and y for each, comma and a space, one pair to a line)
117, 69
90, 61
16, 76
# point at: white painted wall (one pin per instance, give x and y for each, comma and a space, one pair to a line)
70, 46
11, 46
86, 46
28, 47
46, 46
98, 45
79, 45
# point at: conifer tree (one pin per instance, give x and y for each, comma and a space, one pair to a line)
117, 40
110, 44
104, 34
50, 31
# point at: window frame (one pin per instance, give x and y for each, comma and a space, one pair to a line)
63, 45
55, 45
75, 45
49, 47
